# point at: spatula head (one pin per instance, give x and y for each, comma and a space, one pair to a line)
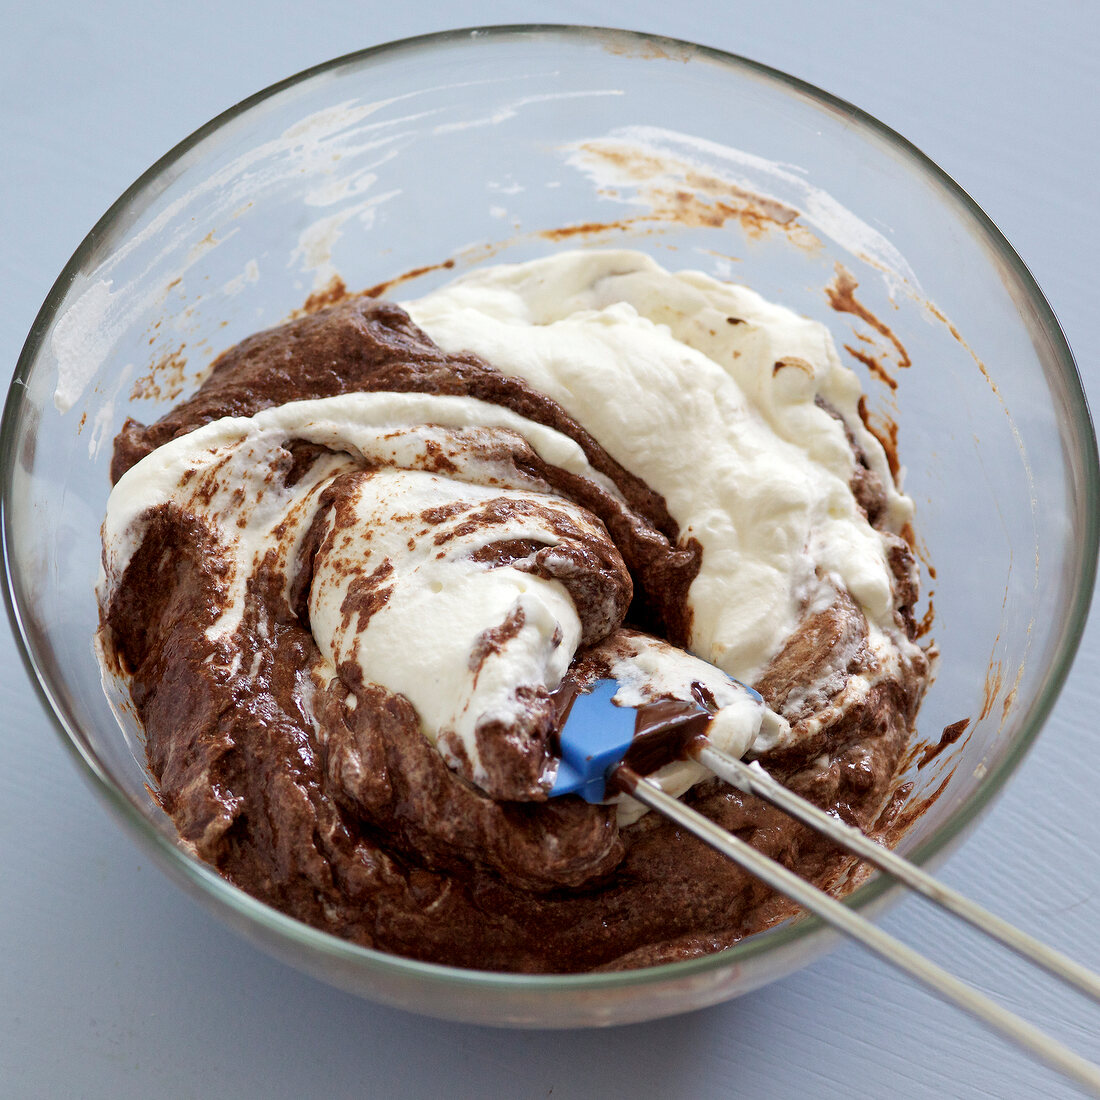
594, 739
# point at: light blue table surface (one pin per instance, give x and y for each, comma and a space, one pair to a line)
115, 984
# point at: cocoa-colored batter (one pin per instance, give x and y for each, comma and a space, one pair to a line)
365, 831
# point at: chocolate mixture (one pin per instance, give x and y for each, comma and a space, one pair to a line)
362, 829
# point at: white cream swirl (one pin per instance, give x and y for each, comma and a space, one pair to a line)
442, 570
719, 400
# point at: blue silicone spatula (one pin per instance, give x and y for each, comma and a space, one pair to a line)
594, 740
597, 734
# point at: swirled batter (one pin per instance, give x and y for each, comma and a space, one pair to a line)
346, 581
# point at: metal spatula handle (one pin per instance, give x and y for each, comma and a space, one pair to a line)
839, 916
753, 779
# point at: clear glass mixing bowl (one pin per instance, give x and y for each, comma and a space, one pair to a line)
503, 144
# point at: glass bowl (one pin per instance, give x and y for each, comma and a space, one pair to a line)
399, 166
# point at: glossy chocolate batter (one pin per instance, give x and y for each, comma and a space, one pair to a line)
363, 830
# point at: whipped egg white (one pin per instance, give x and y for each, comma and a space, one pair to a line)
735, 409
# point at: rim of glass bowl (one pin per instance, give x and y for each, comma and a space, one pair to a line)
1079, 429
